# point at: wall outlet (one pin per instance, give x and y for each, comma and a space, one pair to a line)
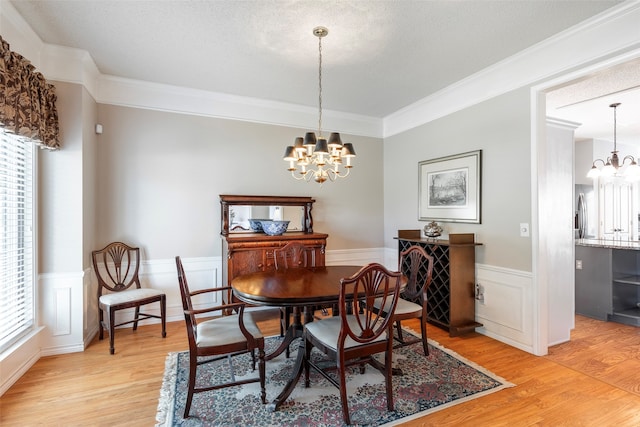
479, 293
578, 264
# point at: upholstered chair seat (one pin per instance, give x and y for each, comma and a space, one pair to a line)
403, 307
224, 331
128, 296
327, 332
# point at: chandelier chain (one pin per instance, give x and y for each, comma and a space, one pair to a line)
615, 108
319, 86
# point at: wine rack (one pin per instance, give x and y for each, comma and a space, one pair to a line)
450, 297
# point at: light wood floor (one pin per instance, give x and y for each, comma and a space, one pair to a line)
594, 380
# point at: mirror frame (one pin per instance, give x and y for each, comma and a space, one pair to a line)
229, 200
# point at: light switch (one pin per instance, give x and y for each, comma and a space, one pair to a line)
524, 229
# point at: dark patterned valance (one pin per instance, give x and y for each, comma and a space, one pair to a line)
27, 101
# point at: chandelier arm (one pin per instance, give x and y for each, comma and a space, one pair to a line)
342, 175
301, 176
599, 160
630, 157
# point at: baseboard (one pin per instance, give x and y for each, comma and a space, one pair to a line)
18, 359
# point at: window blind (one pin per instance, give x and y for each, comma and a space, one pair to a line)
16, 238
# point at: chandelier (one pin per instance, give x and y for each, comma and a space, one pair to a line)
316, 157
612, 165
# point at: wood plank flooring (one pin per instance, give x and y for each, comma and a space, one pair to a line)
594, 380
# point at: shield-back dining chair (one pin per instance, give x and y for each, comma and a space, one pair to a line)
223, 336
418, 267
116, 267
356, 335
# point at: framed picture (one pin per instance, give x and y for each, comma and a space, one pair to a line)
449, 188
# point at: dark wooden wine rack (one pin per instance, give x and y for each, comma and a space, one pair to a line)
450, 297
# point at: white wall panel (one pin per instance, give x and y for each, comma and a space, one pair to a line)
62, 312
505, 313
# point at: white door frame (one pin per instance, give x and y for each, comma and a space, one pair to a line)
540, 270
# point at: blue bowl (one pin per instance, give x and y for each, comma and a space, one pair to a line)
274, 228
256, 224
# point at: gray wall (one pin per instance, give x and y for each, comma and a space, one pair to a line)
66, 180
159, 176
500, 127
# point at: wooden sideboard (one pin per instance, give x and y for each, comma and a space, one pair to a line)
247, 252
451, 295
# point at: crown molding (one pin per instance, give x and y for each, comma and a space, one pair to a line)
140, 94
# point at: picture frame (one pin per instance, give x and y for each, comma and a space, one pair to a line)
450, 188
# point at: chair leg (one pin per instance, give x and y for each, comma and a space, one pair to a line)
425, 345
399, 329
307, 353
193, 364
163, 315
343, 394
261, 369
135, 322
101, 324
112, 330
287, 322
282, 331
389, 377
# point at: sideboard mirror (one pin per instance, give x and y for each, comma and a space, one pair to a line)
236, 211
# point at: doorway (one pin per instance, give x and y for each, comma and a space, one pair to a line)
543, 105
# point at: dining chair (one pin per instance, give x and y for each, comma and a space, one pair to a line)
292, 255
417, 265
213, 339
353, 337
116, 267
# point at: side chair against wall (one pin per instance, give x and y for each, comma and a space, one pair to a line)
356, 335
292, 255
418, 266
116, 267
222, 336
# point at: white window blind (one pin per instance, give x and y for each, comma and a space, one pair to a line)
16, 238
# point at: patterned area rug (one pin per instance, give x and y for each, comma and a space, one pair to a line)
428, 384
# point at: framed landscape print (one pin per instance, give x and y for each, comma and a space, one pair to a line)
449, 188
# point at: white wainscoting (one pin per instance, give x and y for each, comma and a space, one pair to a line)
506, 313
355, 256
69, 307
62, 312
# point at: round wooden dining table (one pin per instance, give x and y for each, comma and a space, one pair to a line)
297, 288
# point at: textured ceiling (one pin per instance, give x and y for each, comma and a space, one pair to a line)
587, 101
379, 56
